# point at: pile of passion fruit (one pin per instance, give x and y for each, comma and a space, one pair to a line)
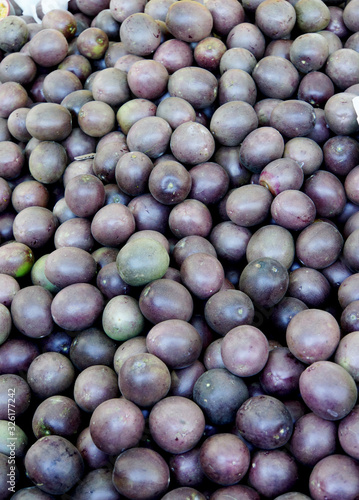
179, 250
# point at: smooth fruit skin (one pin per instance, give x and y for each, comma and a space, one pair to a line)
328, 390
54, 464
335, 477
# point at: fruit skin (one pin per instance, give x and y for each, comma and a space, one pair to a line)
56, 415
48, 121
166, 299
265, 281
265, 422
30, 311
76, 307
142, 261
328, 390
176, 424
336, 477
116, 425
16, 259
176, 342
219, 394
224, 458
14, 32
141, 474
144, 379
122, 318
312, 15
245, 350
54, 464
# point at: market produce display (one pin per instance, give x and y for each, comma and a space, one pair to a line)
179, 250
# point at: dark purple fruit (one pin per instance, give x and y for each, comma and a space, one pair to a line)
50, 373
31, 311
232, 122
174, 54
147, 79
141, 473
237, 85
169, 182
335, 476
342, 69
273, 472
264, 243
93, 457
140, 34
115, 425
49, 122
328, 390
175, 342
132, 172
48, 47
348, 433
169, 417
54, 464
75, 232
16, 259
112, 225
14, 32
265, 422
96, 484
184, 379
293, 118
192, 143
189, 22
96, 118
309, 52
13, 385
276, 77
165, 299
228, 309
219, 394
224, 458
66, 266
94, 385
327, 193
293, 209
248, 36
313, 239
309, 286
313, 438
77, 306
313, 335
150, 135
248, 205
144, 379
312, 19
280, 376
61, 20
315, 88
56, 415
198, 86
340, 113
190, 218
244, 350
110, 86
17, 355
202, 274
265, 281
